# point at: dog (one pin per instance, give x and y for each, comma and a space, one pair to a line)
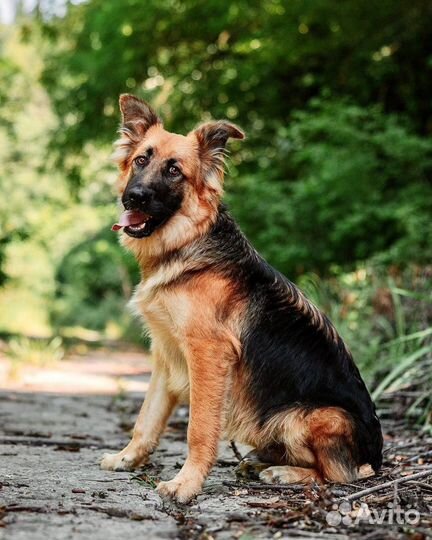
231, 336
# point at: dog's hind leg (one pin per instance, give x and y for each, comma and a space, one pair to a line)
331, 439
319, 447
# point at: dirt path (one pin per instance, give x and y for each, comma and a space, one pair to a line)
51, 486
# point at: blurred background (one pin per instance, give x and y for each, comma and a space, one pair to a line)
333, 184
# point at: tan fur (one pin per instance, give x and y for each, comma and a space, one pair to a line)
327, 427
302, 434
310, 439
195, 326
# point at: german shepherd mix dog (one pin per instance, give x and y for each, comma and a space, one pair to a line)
231, 336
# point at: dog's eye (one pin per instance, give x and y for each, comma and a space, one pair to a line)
141, 161
174, 171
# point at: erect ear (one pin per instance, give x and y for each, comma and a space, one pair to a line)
212, 138
137, 111
137, 117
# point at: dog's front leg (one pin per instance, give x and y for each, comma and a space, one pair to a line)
209, 381
154, 414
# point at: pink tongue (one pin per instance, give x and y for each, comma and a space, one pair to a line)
129, 217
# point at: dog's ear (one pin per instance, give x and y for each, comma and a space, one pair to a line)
137, 117
137, 112
212, 138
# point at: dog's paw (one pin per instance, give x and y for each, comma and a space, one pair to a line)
270, 475
365, 471
118, 462
179, 488
289, 475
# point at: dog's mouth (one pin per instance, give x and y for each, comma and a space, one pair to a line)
136, 223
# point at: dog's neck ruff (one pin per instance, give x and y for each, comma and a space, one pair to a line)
166, 271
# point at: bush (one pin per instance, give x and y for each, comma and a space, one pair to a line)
95, 279
352, 183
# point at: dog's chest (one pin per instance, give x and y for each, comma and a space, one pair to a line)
152, 307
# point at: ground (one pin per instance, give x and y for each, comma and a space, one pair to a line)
51, 486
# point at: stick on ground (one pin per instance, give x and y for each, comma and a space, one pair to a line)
236, 451
398, 481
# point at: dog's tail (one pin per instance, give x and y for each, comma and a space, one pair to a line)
369, 441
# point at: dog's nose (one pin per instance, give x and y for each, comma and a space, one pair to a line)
137, 197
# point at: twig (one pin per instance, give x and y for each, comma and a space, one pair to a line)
258, 485
420, 456
108, 480
27, 508
118, 512
423, 485
373, 489
397, 447
235, 450
34, 441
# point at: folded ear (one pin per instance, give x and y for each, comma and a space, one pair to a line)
212, 138
137, 117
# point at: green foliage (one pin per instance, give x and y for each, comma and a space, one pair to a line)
254, 61
94, 279
348, 183
333, 181
335, 132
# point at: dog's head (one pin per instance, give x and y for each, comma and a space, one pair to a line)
168, 183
